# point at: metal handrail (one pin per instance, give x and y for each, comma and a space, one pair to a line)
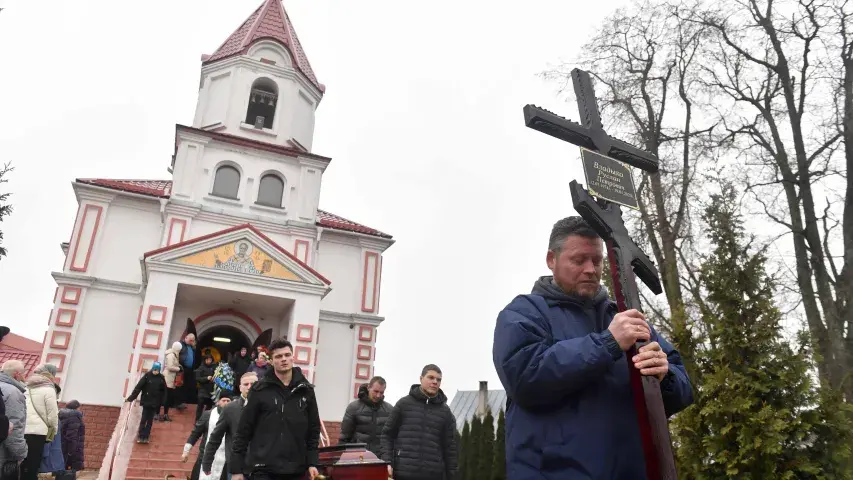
324, 436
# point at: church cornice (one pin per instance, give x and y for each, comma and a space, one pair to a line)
262, 222
96, 283
351, 318
180, 207
93, 193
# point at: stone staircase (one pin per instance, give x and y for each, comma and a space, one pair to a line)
162, 455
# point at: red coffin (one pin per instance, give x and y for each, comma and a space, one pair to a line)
351, 462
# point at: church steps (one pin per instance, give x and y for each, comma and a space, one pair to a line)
162, 456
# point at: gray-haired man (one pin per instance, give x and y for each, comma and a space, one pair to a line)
13, 387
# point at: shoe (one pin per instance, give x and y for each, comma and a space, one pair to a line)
139, 440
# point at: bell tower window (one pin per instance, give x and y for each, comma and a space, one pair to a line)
271, 191
226, 183
263, 99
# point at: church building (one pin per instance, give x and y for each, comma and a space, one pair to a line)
234, 242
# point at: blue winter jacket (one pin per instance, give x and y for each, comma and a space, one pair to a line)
570, 413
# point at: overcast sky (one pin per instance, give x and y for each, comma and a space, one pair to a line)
422, 117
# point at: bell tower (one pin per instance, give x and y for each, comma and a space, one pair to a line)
259, 84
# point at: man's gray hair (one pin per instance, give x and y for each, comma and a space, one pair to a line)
11, 367
565, 227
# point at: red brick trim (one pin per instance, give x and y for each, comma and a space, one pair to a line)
135, 334
60, 357
139, 316
180, 223
365, 333
362, 371
71, 295
228, 311
304, 333
298, 357
155, 311
60, 340
371, 306
98, 211
364, 352
301, 246
150, 344
143, 357
61, 314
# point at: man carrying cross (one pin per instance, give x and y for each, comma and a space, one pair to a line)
590, 384
559, 353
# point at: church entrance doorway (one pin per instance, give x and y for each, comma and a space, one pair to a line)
222, 342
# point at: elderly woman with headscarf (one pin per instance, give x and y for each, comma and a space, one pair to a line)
42, 417
73, 435
171, 368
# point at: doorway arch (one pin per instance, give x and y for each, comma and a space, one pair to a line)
225, 332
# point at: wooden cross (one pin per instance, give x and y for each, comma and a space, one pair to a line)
625, 256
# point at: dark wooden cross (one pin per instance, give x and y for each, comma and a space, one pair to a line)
625, 256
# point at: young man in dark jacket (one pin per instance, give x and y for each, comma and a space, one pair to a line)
152, 386
280, 424
365, 417
418, 439
228, 424
559, 353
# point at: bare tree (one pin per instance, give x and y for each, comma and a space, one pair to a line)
767, 67
644, 64
5, 208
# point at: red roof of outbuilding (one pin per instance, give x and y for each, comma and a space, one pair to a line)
268, 21
16, 347
163, 188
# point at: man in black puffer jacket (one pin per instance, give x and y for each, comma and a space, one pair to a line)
419, 439
365, 417
279, 430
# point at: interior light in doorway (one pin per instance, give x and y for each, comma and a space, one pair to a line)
221, 340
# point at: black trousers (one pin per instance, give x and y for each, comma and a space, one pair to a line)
204, 403
146, 422
169, 401
188, 393
35, 448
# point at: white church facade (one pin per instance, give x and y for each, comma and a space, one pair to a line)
235, 241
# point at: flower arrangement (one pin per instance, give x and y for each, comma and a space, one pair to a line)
223, 378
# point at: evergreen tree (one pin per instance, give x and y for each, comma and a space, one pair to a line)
499, 464
474, 442
487, 446
5, 208
464, 451
755, 416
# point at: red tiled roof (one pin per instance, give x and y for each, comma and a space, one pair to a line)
17, 342
156, 188
30, 359
269, 21
330, 220
163, 188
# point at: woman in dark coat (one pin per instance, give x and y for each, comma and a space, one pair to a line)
73, 435
204, 375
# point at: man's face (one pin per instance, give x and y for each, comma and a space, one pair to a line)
208, 361
246, 384
282, 360
190, 339
577, 267
243, 248
376, 392
243, 352
431, 382
223, 401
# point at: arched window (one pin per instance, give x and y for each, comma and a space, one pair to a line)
271, 190
263, 99
226, 183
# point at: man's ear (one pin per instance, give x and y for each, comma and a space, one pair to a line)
551, 259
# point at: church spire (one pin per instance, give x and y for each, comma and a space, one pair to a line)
268, 22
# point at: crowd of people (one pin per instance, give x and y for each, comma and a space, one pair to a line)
560, 353
38, 437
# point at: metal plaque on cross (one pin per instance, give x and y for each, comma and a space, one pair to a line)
626, 258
